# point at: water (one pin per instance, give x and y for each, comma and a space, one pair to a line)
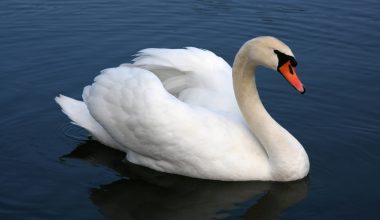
50, 170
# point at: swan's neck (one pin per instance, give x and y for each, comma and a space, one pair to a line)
287, 158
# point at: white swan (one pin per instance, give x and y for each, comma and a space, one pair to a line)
174, 110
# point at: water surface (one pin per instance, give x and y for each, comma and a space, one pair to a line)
50, 170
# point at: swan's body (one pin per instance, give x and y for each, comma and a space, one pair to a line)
174, 110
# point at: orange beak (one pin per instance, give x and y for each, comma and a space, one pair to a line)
289, 73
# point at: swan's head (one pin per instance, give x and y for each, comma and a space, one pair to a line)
274, 54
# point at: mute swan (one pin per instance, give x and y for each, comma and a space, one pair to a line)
175, 111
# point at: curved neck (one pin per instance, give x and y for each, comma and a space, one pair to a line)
283, 150
247, 96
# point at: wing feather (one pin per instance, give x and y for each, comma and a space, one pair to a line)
195, 76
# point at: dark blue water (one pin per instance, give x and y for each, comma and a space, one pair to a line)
49, 169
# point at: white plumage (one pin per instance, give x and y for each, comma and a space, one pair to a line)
174, 110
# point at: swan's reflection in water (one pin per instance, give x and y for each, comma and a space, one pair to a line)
147, 194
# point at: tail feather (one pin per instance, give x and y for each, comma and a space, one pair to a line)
78, 112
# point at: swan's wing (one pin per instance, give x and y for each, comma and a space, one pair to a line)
163, 132
195, 76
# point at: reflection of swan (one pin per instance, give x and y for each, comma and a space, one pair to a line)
174, 111
148, 194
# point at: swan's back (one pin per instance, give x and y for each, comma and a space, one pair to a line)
195, 76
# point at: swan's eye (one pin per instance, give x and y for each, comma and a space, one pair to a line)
283, 58
293, 62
